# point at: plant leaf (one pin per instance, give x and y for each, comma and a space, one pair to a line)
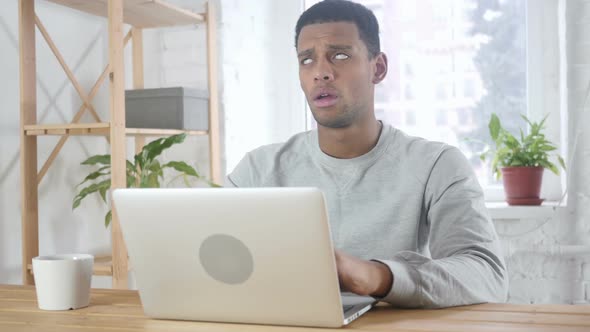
152, 180
103, 194
131, 169
107, 218
213, 184
155, 167
510, 140
89, 190
104, 159
139, 161
494, 126
561, 162
95, 175
185, 179
547, 148
182, 167
143, 182
527, 120
130, 181
155, 148
552, 167
542, 123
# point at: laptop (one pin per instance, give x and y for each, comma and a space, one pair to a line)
239, 255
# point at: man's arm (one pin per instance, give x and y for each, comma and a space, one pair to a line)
465, 266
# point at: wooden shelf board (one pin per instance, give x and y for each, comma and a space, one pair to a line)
162, 132
139, 13
101, 129
97, 129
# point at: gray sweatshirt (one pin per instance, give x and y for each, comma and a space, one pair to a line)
412, 204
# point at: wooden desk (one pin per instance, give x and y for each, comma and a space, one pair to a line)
120, 310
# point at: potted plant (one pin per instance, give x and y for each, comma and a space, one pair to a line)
144, 172
521, 163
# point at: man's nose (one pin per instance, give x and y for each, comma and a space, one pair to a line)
323, 72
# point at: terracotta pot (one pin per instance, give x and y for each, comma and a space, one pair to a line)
522, 185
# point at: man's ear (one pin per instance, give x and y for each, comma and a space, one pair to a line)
380, 68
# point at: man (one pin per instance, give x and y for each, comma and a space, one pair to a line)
407, 215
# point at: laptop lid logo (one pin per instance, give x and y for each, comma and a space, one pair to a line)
226, 259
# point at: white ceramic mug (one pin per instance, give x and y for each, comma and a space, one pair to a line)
63, 281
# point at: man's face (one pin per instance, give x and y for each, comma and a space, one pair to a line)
336, 73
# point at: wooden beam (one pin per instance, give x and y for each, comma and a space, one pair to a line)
137, 44
102, 129
68, 126
28, 144
117, 117
138, 78
163, 132
214, 136
59, 132
36, 132
96, 129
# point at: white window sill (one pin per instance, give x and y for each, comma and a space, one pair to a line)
503, 211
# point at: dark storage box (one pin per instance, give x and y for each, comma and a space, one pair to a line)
167, 108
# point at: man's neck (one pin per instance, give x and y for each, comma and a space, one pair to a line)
349, 142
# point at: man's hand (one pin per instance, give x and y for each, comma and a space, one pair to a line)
363, 277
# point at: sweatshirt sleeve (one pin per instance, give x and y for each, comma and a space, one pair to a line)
465, 264
241, 176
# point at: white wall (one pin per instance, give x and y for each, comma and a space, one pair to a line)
262, 97
262, 104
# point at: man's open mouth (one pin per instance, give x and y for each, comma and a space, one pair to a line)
325, 98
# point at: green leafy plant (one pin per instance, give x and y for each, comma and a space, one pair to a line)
144, 172
532, 150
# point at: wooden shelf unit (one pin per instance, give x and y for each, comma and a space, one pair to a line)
139, 14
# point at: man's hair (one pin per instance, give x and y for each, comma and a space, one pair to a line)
343, 11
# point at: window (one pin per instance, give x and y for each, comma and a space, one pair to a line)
407, 10
408, 92
442, 119
464, 116
441, 91
410, 118
469, 88
409, 37
394, 117
471, 58
409, 70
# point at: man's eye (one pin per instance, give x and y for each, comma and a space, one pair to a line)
341, 56
306, 61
